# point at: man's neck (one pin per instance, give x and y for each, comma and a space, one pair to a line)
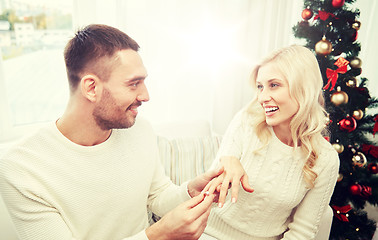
81, 129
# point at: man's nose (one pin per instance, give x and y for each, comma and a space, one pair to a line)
143, 95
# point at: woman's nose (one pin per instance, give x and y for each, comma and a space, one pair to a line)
264, 96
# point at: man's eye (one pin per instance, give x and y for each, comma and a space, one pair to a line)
135, 84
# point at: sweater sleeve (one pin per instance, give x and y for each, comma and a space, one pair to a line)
308, 213
30, 213
164, 195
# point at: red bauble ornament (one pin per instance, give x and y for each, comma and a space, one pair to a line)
307, 14
354, 36
373, 168
366, 192
338, 3
348, 124
355, 189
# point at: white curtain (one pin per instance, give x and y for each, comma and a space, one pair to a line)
198, 53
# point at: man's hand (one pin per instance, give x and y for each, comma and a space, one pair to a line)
231, 177
187, 221
197, 185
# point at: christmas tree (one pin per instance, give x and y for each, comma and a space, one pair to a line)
330, 29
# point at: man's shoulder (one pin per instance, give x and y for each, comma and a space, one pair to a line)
28, 142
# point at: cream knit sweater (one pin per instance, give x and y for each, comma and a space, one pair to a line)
56, 189
281, 207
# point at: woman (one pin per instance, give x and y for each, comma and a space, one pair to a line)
278, 140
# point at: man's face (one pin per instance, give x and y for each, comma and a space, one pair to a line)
122, 93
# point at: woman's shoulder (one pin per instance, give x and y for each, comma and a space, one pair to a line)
328, 155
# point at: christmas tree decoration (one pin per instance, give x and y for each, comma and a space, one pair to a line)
307, 14
355, 63
370, 150
366, 192
352, 109
375, 128
354, 36
338, 147
322, 15
340, 177
323, 47
338, 3
341, 212
348, 124
356, 25
351, 82
339, 97
373, 168
333, 75
359, 160
355, 189
358, 114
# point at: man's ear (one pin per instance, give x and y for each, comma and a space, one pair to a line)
90, 85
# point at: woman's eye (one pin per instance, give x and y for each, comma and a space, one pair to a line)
259, 86
274, 85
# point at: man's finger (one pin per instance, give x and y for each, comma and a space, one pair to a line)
195, 200
202, 207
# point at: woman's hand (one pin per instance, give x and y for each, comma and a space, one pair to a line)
233, 174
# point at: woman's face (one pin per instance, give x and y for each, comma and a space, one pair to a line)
274, 96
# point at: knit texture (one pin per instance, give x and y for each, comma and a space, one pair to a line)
281, 207
56, 189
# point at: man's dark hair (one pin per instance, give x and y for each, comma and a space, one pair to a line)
89, 46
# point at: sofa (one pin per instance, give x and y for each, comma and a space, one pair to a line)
186, 150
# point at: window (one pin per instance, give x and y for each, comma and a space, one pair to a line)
33, 84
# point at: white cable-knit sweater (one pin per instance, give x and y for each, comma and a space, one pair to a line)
56, 189
281, 207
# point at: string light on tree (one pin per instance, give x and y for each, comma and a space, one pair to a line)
373, 168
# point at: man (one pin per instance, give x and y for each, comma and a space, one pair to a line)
93, 173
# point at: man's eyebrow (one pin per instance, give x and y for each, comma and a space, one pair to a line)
136, 78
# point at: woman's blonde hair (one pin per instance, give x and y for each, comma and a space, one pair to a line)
300, 68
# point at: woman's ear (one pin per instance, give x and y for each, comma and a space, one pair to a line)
90, 85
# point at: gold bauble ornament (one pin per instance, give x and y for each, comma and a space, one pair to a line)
359, 159
323, 47
340, 177
339, 97
356, 25
338, 147
358, 114
351, 82
355, 62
